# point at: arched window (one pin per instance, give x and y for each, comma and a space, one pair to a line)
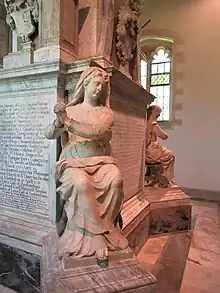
157, 80
144, 73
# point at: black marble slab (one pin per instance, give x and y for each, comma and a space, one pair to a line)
19, 270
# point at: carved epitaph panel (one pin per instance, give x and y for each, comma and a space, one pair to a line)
24, 154
128, 144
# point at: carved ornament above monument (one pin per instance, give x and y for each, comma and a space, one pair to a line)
127, 34
22, 16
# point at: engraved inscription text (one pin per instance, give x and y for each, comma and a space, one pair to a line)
24, 154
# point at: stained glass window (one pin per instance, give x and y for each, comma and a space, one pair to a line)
158, 69
160, 80
144, 74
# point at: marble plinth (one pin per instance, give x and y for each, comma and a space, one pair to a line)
19, 270
114, 256
122, 274
19, 59
136, 216
170, 210
155, 211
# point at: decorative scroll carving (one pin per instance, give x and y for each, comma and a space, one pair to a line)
22, 16
127, 33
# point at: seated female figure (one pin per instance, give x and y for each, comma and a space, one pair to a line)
155, 152
91, 183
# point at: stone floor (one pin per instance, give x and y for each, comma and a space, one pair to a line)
5, 290
187, 262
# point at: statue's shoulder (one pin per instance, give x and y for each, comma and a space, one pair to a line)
107, 111
107, 115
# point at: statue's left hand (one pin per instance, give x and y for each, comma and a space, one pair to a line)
60, 111
59, 107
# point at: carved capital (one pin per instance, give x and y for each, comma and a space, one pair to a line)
22, 16
127, 31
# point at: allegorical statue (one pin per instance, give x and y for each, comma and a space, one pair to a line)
91, 183
155, 152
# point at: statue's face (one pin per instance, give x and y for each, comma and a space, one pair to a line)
95, 87
158, 112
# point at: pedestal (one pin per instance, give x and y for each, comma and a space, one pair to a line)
21, 58
156, 211
122, 275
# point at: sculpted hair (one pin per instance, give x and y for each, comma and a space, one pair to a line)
85, 78
149, 111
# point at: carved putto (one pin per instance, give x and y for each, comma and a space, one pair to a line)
22, 16
127, 33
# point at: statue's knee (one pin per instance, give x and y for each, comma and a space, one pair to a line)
117, 182
82, 183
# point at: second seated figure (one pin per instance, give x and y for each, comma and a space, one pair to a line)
155, 152
91, 183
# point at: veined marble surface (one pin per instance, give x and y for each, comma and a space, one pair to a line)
19, 270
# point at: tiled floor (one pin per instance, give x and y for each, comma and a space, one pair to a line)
187, 262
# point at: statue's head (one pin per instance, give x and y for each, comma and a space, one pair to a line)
153, 112
93, 84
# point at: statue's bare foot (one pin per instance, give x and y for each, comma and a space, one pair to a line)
102, 253
102, 257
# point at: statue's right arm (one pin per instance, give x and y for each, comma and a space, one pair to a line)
159, 132
52, 131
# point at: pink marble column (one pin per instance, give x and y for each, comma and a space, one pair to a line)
96, 27
4, 35
58, 30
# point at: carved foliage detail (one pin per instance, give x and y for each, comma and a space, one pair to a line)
22, 16
127, 31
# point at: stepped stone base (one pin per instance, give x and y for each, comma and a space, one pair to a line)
156, 211
123, 273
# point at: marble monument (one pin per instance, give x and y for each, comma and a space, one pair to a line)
75, 235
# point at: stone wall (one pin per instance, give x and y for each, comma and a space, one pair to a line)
195, 91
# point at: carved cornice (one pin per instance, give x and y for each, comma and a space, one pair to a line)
22, 16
